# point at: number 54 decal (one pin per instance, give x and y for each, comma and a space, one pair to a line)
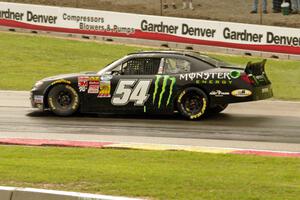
131, 90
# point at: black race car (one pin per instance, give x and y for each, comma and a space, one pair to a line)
154, 82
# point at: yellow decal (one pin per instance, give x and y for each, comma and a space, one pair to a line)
241, 93
104, 89
180, 96
94, 78
202, 110
51, 103
61, 81
76, 98
204, 105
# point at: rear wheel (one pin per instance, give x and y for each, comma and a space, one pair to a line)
217, 109
192, 103
63, 100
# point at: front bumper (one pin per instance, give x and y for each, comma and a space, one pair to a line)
37, 100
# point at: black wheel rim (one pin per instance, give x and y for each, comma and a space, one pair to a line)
193, 103
64, 98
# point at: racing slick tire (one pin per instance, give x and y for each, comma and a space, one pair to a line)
63, 100
216, 109
192, 103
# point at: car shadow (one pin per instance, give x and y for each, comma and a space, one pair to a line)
175, 116
221, 118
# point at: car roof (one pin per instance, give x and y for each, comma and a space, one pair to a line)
188, 53
165, 52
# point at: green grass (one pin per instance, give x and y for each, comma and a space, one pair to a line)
24, 59
155, 174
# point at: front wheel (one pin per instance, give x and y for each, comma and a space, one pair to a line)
63, 100
192, 103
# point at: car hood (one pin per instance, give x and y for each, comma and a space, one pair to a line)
66, 76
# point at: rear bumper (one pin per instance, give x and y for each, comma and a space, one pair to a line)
262, 92
257, 93
245, 95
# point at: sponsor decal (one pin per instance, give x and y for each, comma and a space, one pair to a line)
222, 34
214, 82
180, 96
165, 79
241, 93
94, 88
234, 74
38, 99
89, 84
218, 93
265, 90
93, 82
204, 76
61, 81
94, 78
261, 78
76, 98
104, 89
83, 82
51, 104
202, 110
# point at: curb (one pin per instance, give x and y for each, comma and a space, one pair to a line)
141, 146
6, 193
55, 143
13, 193
216, 150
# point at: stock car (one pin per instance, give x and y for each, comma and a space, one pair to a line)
160, 82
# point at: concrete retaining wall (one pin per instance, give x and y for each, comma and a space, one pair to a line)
11, 193
6, 193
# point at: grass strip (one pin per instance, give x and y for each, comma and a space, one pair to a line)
152, 174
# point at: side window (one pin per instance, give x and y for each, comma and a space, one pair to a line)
141, 66
176, 66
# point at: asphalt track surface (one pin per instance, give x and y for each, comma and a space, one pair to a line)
263, 125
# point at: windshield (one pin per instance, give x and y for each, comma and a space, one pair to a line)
111, 66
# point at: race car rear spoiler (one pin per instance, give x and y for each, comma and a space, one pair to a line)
256, 73
256, 68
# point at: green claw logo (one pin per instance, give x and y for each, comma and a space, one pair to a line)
166, 78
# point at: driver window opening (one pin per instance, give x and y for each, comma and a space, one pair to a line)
138, 66
176, 66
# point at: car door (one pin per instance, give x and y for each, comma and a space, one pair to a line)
127, 87
167, 83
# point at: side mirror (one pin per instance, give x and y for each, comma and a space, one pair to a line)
115, 73
108, 73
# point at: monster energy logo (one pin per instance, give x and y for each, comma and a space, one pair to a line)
163, 90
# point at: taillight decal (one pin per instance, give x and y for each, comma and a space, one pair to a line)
250, 79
